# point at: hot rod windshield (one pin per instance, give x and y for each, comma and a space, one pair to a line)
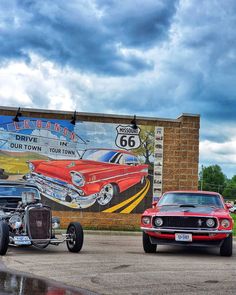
194, 199
17, 192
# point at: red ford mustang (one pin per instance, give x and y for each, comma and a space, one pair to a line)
190, 218
99, 175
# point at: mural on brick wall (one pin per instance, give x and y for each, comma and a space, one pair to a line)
97, 167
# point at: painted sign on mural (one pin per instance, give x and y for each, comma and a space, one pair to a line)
89, 166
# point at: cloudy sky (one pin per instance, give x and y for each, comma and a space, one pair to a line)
157, 58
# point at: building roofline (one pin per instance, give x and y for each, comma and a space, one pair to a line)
98, 115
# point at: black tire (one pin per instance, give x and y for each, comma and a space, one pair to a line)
4, 238
68, 199
76, 233
226, 248
148, 247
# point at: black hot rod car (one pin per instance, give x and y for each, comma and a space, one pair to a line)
25, 221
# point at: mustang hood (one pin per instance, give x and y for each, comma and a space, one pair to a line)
190, 211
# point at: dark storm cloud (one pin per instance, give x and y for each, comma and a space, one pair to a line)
140, 23
86, 35
209, 37
198, 71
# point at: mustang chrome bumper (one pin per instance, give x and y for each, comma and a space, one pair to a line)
179, 230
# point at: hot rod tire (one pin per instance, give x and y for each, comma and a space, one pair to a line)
4, 238
76, 235
226, 248
148, 247
107, 193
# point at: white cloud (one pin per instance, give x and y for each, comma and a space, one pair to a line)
218, 153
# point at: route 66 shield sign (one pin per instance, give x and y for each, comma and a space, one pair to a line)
127, 138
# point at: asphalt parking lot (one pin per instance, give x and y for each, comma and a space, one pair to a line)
116, 264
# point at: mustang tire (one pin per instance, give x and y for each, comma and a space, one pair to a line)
148, 247
107, 193
4, 238
226, 248
76, 233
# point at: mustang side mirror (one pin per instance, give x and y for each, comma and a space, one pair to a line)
228, 205
154, 204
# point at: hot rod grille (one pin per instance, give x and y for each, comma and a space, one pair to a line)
185, 222
39, 223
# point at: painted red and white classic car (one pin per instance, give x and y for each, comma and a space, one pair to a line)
99, 175
189, 218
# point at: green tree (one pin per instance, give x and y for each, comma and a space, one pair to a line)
230, 189
146, 148
212, 178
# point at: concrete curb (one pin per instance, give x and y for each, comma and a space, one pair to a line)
105, 232
113, 232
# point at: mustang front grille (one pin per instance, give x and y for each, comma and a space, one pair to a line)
39, 223
184, 222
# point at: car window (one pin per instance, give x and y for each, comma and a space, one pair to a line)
16, 191
99, 155
130, 160
11, 195
191, 199
117, 159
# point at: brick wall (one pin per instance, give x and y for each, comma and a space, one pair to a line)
181, 152
95, 220
180, 162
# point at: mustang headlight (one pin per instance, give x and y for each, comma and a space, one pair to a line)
15, 221
146, 220
158, 221
210, 222
31, 166
77, 178
225, 223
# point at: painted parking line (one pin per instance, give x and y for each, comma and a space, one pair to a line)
122, 204
132, 206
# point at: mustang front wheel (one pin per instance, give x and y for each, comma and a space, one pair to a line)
148, 247
4, 238
75, 237
106, 194
226, 248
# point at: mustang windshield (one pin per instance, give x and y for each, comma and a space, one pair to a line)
191, 199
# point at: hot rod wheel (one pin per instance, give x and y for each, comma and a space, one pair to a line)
4, 237
75, 237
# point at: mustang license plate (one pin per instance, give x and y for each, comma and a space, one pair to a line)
22, 240
182, 237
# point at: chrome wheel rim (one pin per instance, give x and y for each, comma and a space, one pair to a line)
72, 234
106, 194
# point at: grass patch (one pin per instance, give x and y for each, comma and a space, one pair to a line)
234, 218
16, 163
